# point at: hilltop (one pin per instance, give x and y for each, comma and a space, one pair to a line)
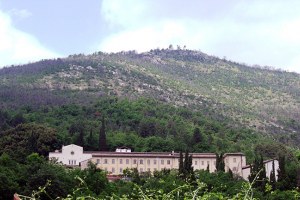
266, 101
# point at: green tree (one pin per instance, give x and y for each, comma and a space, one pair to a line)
258, 174
272, 177
220, 165
95, 179
9, 177
181, 165
25, 139
91, 142
186, 170
197, 136
282, 180
102, 136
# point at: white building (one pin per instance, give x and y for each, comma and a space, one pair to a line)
115, 162
268, 165
70, 155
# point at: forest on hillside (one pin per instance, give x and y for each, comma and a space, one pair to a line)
257, 98
28, 134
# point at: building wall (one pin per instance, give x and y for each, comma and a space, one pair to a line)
235, 162
268, 166
116, 165
116, 162
70, 155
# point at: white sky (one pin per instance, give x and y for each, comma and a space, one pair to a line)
252, 32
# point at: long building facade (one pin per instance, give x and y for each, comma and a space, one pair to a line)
115, 162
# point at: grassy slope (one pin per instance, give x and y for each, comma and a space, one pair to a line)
266, 100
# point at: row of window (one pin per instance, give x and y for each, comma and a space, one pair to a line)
113, 170
141, 162
202, 162
72, 162
127, 161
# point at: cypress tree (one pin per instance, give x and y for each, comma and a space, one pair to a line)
102, 137
282, 180
180, 164
80, 138
207, 168
272, 177
91, 142
258, 171
186, 163
230, 173
186, 170
262, 177
197, 137
220, 165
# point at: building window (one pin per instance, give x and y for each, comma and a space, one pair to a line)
98, 161
234, 160
168, 162
121, 161
105, 168
148, 162
196, 162
72, 152
113, 170
207, 162
155, 169
202, 162
127, 161
214, 163
134, 161
105, 161
113, 161
148, 169
162, 162
121, 170
154, 162
141, 169
72, 162
141, 162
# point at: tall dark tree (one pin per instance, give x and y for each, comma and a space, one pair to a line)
272, 177
80, 138
197, 136
262, 177
220, 165
181, 166
186, 170
282, 181
102, 136
91, 142
258, 174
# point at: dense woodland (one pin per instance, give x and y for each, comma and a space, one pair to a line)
162, 100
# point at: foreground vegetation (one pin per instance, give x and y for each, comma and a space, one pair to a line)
40, 179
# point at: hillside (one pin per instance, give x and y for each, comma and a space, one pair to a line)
268, 101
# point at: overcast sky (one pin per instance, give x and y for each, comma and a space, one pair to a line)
253, 32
